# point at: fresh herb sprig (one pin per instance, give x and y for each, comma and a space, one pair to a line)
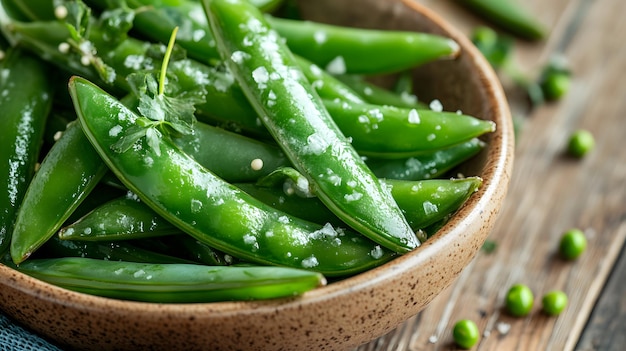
168, 113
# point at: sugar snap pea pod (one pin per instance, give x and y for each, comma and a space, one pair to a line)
508, 15
326, 85
119, 219
188, 248
172, 283
231, 156
106, 250
422, 202
195, 36
426, 166
429, 201
379, 96
394, 132
237, 158
67, 174
310, 209
209, 209
156, 19
101, 194
26, 98
294, 114
342, 50
320, 43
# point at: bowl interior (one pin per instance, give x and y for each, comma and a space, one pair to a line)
343, 314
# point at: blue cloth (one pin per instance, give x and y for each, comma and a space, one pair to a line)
15, 338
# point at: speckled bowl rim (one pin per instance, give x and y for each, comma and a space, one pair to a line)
496, 174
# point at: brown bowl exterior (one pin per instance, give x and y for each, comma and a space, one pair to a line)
339, 316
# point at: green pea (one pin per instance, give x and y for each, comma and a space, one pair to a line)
555, 85
580, 143
519, 300
465, 333
573, 244
554, 302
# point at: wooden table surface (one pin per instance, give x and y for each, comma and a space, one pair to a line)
550, 193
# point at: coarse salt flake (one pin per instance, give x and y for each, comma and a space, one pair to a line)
430, 208
376, 252
353, 197
310, 262
436, 105
261, 77
115, 130
320, 37
315, 70
239, 56
337, 66
414, 117
503, 328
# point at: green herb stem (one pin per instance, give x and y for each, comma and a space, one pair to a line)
166, 60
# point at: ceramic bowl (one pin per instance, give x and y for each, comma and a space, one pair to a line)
341, 315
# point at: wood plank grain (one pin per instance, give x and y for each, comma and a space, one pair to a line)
605, 328
549, 193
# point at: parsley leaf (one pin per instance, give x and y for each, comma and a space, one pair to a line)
164, 112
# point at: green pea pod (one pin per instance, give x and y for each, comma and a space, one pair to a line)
426, 166
325, 84
296, 117
104, 250
100, 195
211, 210
422, 202
508, 15
172, 283
429, 201
69, 172
119, 219
237, 158
317, 42
188, 248
26, 99
231, 156
400, 133
310, 209
157, 19
376, 95
341, 49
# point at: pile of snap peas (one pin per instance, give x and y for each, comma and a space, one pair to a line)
184, 151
